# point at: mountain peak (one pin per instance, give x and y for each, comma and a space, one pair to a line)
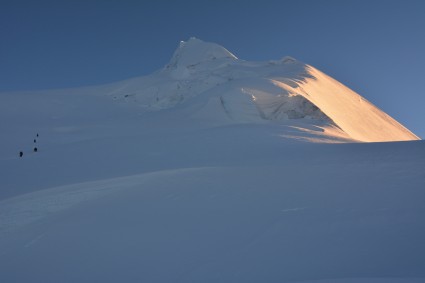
218, 88
195, 51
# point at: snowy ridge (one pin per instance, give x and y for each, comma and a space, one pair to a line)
348, 110
28, 208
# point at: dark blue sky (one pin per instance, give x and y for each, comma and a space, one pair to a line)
377, 48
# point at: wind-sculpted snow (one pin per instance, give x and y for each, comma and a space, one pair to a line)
352, 113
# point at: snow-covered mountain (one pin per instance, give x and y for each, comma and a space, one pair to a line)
212, 169
226, 88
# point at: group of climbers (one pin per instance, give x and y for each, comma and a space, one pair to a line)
35, 149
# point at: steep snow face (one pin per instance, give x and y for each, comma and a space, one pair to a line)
351, 112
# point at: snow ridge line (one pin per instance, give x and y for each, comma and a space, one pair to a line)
32, 207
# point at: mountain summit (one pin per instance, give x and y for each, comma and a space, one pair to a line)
196, 51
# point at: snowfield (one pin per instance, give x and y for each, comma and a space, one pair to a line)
213, 169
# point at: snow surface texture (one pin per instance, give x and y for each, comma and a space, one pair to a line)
221, 172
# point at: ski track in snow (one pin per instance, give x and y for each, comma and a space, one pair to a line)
33, 241
293, 209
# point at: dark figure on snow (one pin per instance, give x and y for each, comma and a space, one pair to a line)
35, 149
35, 140
37, 135
21, 154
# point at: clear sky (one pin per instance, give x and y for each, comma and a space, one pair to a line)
375, 47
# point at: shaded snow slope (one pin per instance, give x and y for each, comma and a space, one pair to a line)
86, 137
353, 211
